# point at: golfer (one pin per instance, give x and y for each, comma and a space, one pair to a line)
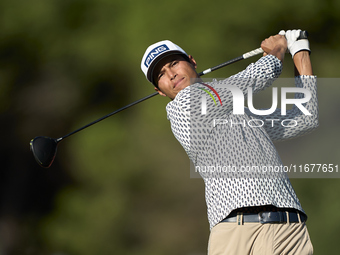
249, 212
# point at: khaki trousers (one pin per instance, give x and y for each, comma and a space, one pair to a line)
259, 239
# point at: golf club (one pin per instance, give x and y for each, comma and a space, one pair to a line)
45, 148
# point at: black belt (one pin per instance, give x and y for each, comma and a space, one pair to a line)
266, 217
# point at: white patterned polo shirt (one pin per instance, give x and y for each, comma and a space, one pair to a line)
232, 142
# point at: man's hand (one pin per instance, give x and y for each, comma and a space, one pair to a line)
275, 45
300, 50
295, 45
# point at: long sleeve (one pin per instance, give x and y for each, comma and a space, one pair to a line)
295, 123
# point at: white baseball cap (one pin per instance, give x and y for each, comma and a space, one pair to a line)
155, 53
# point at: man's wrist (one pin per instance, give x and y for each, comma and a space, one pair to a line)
302, 63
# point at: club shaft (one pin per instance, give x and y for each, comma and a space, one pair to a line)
109, 115
303, 35
244, 56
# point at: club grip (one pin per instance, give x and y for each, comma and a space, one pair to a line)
303, 35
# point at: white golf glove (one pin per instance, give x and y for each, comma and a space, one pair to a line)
294, 45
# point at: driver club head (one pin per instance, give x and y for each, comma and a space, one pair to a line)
44, 150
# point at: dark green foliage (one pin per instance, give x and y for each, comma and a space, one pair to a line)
123, 186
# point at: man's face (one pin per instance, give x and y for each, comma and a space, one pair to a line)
174, 73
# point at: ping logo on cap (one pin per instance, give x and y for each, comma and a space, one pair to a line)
154, 53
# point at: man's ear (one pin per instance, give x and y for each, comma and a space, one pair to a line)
160, 92
193, 61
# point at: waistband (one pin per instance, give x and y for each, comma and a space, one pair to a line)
266, 217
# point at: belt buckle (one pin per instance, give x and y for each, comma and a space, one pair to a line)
261, 217
272, 217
